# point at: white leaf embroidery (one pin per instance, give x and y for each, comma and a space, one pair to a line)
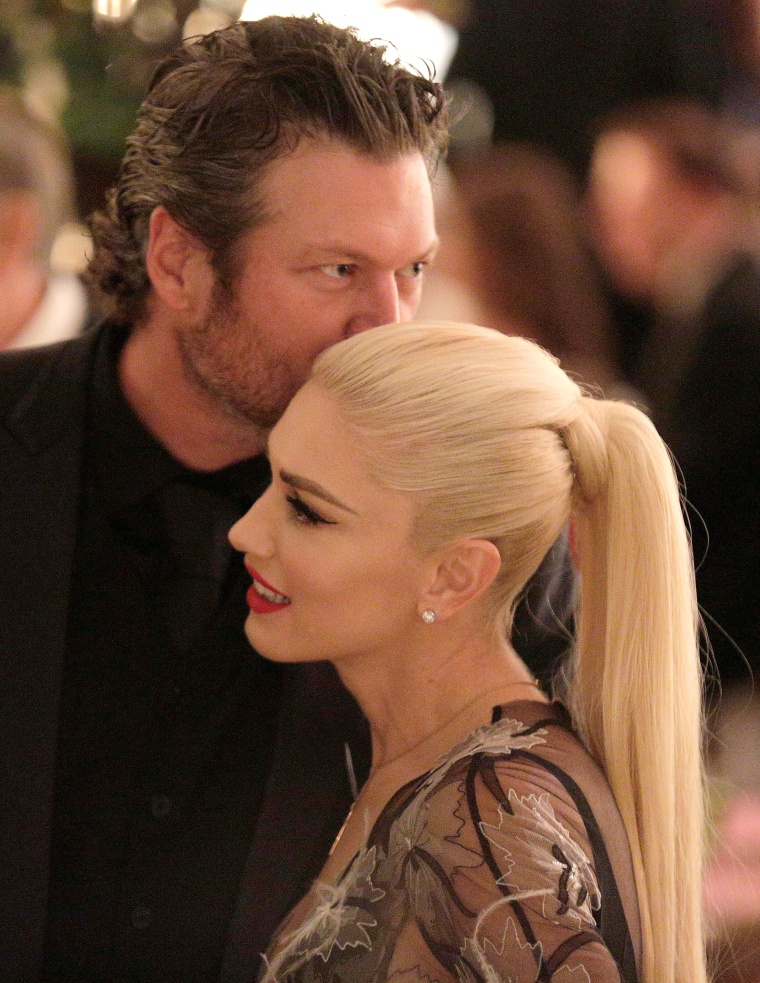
338, 919
550, 849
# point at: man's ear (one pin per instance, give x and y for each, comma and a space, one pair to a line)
177, 264
463, 573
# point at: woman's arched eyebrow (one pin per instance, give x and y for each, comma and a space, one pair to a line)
305, 484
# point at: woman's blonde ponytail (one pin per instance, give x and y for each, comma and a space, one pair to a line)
636, 692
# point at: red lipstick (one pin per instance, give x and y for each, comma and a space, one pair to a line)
257, 601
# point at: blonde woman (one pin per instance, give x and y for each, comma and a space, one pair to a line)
418, 479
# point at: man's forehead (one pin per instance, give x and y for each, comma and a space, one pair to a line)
333, 198
317, 162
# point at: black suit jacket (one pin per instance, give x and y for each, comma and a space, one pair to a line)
42, 402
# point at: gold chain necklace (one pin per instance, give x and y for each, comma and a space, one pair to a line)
433, 733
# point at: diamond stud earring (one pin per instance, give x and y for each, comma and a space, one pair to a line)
428, 616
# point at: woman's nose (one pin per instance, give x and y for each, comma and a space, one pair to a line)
250, 534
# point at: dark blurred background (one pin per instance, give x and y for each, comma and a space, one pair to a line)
539, 70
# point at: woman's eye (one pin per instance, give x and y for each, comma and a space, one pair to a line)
305, 513
338, 271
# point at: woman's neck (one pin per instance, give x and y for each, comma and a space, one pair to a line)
477, 711
415, 719
425, 700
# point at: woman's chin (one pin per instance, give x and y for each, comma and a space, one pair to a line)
261, 640
257, 639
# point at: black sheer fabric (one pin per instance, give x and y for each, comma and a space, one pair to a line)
506, 863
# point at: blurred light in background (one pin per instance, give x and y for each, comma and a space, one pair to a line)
71, 249
113, 10
46, 89
209, 17
155, 21
472, 116
416, 35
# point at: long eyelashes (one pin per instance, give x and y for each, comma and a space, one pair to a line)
305, 513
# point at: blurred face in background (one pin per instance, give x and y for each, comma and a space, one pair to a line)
629, 201
661, 213
22, 276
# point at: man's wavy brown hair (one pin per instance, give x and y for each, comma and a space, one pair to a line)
220, 109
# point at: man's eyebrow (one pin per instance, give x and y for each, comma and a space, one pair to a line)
304, 484
432, 249
331, 250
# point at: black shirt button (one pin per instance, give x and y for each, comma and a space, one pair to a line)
141, 917
161, 805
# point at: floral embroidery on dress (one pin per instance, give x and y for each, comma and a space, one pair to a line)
479, 871
501, 738
418, 859
571, 879
576, 974
339, 918
486, 955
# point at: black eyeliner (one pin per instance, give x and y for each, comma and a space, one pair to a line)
306, 512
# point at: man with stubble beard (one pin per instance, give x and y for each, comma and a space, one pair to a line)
165, 795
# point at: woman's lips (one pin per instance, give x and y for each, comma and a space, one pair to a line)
262, 597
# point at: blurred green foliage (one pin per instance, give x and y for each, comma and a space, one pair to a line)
88, 76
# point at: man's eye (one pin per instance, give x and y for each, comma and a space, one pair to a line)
338, 271
304, 513
413, 271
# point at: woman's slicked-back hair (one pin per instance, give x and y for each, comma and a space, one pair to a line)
495, 441
221, 108
480, 446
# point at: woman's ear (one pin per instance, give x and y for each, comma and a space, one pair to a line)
177, 263
463, 573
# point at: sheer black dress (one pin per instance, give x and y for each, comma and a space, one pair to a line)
506, 863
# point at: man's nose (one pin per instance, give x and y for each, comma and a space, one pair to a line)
380, 305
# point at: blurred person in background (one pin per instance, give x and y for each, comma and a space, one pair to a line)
672, 205
41, 302
533, 272
514, 255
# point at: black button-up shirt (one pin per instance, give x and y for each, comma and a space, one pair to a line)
164, 745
